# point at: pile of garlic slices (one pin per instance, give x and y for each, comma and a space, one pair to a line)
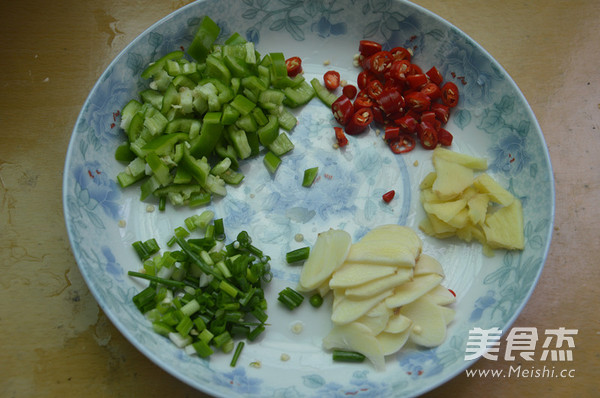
385, 291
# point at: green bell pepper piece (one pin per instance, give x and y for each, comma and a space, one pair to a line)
259, 116
236, 66
242, 104
170, 98
160, 170
183, 125
182, 176
230, 115
281, 145
239, 141
247, 123
297, 96
128, 112
326, 96
217, 69
271, 162
205, 36
199, 169
234, 39
149, 186
163, 144
153, 97
124, 154
159, 65
210, 133
232, 177
268, 132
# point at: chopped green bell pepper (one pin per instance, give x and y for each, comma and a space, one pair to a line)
210, 133
268, 132
205, 36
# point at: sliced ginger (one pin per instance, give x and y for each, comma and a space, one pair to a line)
459, 203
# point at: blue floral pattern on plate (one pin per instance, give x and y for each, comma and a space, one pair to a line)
492, 120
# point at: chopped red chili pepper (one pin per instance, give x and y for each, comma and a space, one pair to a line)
378, 115
331, 80
417, 101
388, 196
391, 132
368, 47
435, 76
442, 112
363, 79
428, 117
379, 63
350, 91
416, 81
395, 93
399, 69
374, 89
341, 138
427, 135
342, 109
390, 100
363, 101
294, 66
450, 94
404, 143
415, 69
408, 123
400, 53
444, 137
431, 90
359, 121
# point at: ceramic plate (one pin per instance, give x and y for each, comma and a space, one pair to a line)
493, 120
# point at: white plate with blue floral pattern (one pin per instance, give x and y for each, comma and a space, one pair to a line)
493, 120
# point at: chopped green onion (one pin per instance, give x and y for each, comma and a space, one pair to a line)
162, 328
259, 314
202, 349
256, 332
162, 203
316, 300
236, 354
219, 229
207, 294
190, 308
290, 298
146, 249
181, 232
185, 326
297, 255
152, 278
206, 336
222, 339
145, 297
228, 288
140, 249
347, 356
